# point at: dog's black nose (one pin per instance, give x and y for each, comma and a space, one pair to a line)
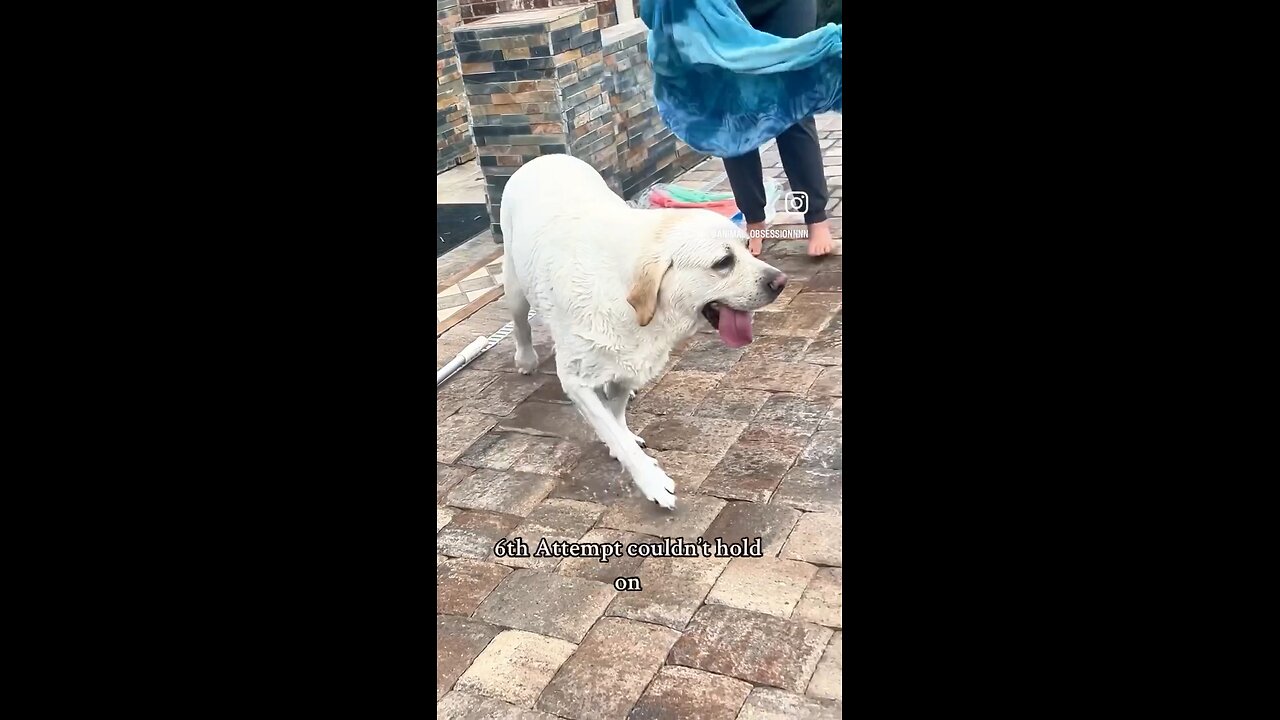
778, 282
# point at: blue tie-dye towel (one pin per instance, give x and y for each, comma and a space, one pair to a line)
726, 88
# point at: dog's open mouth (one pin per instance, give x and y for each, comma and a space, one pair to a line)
734, 325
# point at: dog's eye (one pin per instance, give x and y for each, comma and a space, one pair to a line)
723, 263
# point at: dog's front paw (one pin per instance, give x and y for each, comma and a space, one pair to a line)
656, 486
526, 363
634, 438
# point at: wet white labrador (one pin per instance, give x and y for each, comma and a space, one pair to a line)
619, 288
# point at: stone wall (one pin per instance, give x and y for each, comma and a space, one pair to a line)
547, 81
606, 10
454, 143
645, 148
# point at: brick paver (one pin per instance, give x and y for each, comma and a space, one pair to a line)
766, 703
553, 521
458, 642
825, 450
674, 588
464, 706
688, 469
729, 403
816, 539
515, 667
611, 669
826, 679
829, 382
680, 693
753, 439
813, 489
773, 375
443, 516
679, 392
752, 646
455, 434
551, 457
446, 477
785, 349
556, 605
833, 420
771, 523
462, 584
767, 585
508, 493
595, 478
823, 600
472, 534
592, 568
751, 470
775, 434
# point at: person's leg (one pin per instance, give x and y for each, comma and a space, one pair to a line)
798, 145
802, 161
746, 179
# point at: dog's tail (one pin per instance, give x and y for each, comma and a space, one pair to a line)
515, 293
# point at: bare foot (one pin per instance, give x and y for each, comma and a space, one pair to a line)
819, 239
755, 235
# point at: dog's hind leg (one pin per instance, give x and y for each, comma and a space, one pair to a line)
526, 356
518, 304
644, 470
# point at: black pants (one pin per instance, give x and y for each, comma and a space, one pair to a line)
797, 145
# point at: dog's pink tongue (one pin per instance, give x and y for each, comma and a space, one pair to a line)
735, 327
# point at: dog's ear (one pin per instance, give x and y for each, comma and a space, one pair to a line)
643, 294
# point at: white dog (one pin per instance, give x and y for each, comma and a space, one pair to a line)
619, 288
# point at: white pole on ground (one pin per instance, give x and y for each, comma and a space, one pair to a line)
469, 353
473, 351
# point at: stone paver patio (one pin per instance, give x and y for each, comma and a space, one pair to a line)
752, 438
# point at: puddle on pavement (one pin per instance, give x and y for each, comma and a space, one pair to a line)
458, 223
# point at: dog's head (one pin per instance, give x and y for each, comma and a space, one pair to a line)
698, 264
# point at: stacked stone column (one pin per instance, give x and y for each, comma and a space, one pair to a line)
453, 137
536, 86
